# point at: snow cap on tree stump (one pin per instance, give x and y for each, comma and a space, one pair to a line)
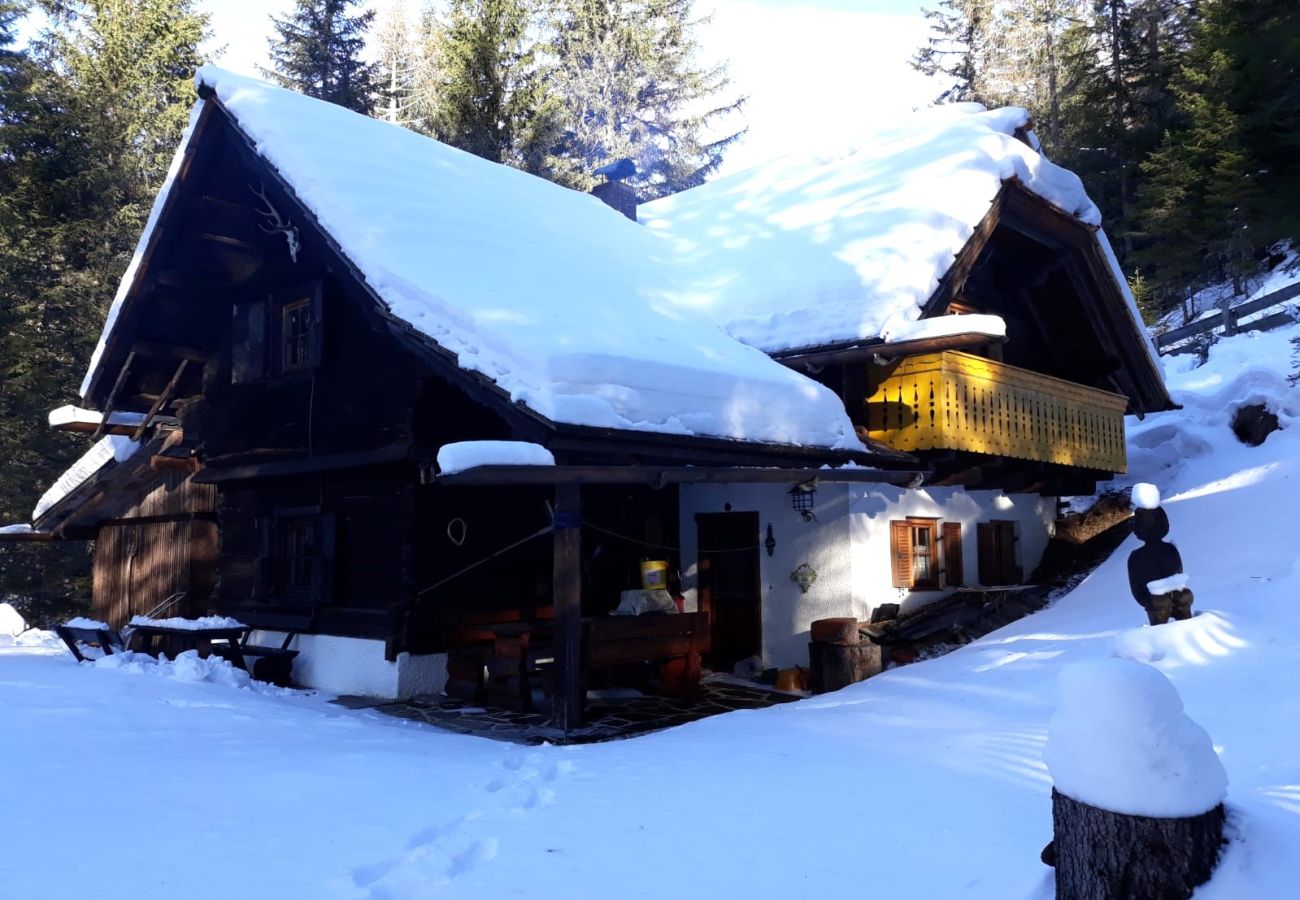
1146, 496
1120, 741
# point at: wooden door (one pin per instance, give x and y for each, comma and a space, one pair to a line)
729, 587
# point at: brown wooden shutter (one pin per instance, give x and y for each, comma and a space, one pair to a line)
322, 588
248, 339
900, 546
1009, 572
263, 572
317, 340
954, 574
986, 542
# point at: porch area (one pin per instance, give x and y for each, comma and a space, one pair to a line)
609, 717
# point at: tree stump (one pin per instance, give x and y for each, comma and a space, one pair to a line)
833, 666
1102, 855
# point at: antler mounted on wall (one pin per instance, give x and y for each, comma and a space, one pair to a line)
277, 224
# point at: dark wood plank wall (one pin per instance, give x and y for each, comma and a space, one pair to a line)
373, 511
166, 543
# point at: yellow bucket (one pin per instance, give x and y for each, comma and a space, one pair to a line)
654, 574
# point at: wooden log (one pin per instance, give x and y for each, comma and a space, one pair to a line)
1102, 855
834, 666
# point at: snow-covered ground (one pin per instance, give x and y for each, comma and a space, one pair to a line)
143, 780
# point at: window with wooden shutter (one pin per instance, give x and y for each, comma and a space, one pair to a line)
954, 574
900, 540
914, 545
298, 557
997, 553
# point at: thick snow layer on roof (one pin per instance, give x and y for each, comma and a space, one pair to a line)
801, 252
20, 528
464, 455
105, 450
562, 302
943, 326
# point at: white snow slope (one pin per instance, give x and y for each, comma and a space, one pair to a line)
927, 781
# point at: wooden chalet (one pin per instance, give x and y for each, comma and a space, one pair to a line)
312, 310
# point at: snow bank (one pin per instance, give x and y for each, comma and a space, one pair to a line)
1120, 741
113, 448
469, 454
187, 666
12, 622
567, 306
188, 624
1205, 637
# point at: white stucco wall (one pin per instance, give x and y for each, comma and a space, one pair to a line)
343, 665
849, 548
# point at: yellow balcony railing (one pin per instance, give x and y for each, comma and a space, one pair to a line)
956, 401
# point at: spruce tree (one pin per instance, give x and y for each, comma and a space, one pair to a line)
962, 32
317, 51
632, 84
491, 98
86, 140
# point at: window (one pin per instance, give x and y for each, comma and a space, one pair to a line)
296, 561
916, 563
297, 326
298, 545
997, 553
276, 335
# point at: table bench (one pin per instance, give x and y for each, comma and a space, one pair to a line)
674, 642
269, 663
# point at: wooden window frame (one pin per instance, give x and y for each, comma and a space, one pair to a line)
277, 584
903, 543
308, 342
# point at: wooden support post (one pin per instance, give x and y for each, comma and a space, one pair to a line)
161, 401
566, 703
112, 396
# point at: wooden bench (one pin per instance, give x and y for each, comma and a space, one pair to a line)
675, 642
106, 639
273, 664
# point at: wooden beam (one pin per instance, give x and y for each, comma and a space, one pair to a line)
864, 352
664, 475
161, 401
112, 396
566, 588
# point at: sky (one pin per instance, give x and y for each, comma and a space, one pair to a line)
816, 73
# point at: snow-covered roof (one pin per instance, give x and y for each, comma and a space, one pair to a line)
567, 306
590, 319
112, 448
802, 252
72, 416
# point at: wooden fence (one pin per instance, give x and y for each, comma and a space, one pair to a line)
1228, 320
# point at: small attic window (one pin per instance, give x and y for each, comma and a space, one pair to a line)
298, 349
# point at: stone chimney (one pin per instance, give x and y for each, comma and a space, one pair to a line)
618, 195
613, 192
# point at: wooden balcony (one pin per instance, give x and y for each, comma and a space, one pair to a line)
957, 401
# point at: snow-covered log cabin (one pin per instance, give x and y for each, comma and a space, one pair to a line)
880, 369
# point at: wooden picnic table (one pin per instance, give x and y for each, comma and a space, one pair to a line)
145, 639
